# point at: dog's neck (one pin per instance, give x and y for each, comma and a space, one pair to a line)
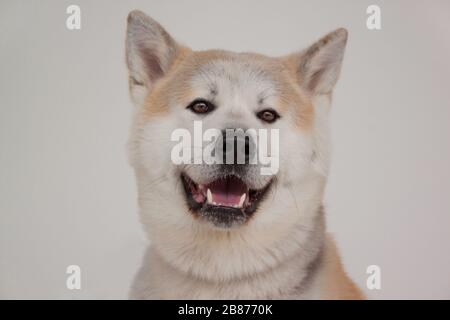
294, 276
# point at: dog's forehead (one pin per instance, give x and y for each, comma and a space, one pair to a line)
248, 73
231, 79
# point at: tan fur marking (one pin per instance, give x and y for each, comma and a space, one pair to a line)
303, 109
171, 86
336, 283
296, 62
174, 84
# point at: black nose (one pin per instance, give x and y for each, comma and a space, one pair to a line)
235, 147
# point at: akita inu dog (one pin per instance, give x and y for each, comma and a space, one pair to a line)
221, 231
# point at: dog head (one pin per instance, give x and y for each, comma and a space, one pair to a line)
278, 104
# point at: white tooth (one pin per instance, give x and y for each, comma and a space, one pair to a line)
241, 201
214, 203
209, 196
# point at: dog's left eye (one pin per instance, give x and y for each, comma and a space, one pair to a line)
268, 115
201, 106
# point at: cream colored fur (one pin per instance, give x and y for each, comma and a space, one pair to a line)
282, 252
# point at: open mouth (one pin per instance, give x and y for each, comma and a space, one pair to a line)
225, 201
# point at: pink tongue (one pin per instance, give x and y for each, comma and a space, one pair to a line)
228, 191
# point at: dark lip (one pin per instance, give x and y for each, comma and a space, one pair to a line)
223, 217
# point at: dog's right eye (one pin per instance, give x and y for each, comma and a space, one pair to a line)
201, 106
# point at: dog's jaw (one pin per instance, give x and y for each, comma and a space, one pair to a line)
224, 202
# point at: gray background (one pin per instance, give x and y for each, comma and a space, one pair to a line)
67, 194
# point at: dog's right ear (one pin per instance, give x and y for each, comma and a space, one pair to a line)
150, 51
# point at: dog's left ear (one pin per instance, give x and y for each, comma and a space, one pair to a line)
317, 68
